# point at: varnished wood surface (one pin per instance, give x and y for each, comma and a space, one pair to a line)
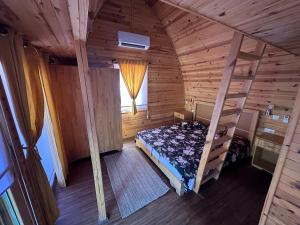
45, 23
272, 138
202, 48
276, 22
165, 86
236, 198
105, 84
282, 205
67, 97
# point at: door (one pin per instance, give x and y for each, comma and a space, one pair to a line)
107, 108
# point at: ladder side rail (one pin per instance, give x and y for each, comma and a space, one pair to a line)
260, 49
219, 104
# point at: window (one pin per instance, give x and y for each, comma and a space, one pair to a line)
142, 98
8, 213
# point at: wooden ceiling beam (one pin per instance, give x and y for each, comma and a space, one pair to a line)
94, 8
79, 18
196, 13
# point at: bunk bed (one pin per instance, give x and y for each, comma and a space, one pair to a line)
177, 149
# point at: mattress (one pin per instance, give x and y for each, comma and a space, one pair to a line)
179, 148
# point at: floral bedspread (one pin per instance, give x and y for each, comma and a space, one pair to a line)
182, 144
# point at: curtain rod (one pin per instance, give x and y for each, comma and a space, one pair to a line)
115, 61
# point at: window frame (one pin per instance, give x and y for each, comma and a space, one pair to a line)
140, 107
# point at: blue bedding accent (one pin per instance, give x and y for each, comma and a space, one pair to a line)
179, 148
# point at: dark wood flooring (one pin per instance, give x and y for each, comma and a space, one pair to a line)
236, 198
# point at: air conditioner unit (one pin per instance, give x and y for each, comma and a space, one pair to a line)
131, 40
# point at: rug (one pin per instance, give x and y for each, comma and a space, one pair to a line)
135, 184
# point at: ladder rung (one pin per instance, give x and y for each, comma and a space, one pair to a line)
220, 141
217, 152
213, 164
236, 95
248, 56
241, 77
228, 112
226, 126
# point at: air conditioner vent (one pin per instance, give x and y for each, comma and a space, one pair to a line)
131, 40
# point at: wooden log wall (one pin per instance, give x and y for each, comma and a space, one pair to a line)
164, 76
282, 205
202, 47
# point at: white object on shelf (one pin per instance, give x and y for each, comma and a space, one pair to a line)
269, 130
285, 119
275, 117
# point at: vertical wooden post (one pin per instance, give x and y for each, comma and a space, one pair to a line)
79, 10
85, 86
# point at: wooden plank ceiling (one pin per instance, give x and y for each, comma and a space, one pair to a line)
46, 23
275, 21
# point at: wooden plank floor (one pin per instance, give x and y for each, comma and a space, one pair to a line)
236, 198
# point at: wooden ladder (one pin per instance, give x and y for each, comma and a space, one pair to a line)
215, 149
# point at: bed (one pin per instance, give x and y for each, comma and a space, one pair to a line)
177, 149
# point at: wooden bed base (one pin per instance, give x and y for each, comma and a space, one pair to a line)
174, 181
246, 128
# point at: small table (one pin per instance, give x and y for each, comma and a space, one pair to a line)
183, 115
266, 151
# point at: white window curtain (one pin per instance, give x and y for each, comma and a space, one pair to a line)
6, 169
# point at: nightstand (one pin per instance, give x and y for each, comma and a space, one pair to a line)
266, 151
182, 115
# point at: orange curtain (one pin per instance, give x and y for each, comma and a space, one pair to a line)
22, 67
133, 73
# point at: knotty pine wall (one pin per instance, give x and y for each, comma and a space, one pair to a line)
282, 204
202, 47
67, 97
164, 76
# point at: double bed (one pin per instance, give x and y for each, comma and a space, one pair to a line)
177, 149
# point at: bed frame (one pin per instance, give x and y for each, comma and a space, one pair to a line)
203, 111
246, 126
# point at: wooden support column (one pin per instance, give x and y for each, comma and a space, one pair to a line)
86, 89
79, 19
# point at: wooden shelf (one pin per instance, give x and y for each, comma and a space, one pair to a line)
183, 115
266, 151
265, 165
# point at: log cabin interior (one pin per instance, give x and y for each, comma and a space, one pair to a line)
149, 112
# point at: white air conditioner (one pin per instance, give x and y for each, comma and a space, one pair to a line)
131, 40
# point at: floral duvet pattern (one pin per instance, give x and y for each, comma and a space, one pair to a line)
182, 144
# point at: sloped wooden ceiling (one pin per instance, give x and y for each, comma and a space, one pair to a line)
274, 21
202, 47
45, 23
